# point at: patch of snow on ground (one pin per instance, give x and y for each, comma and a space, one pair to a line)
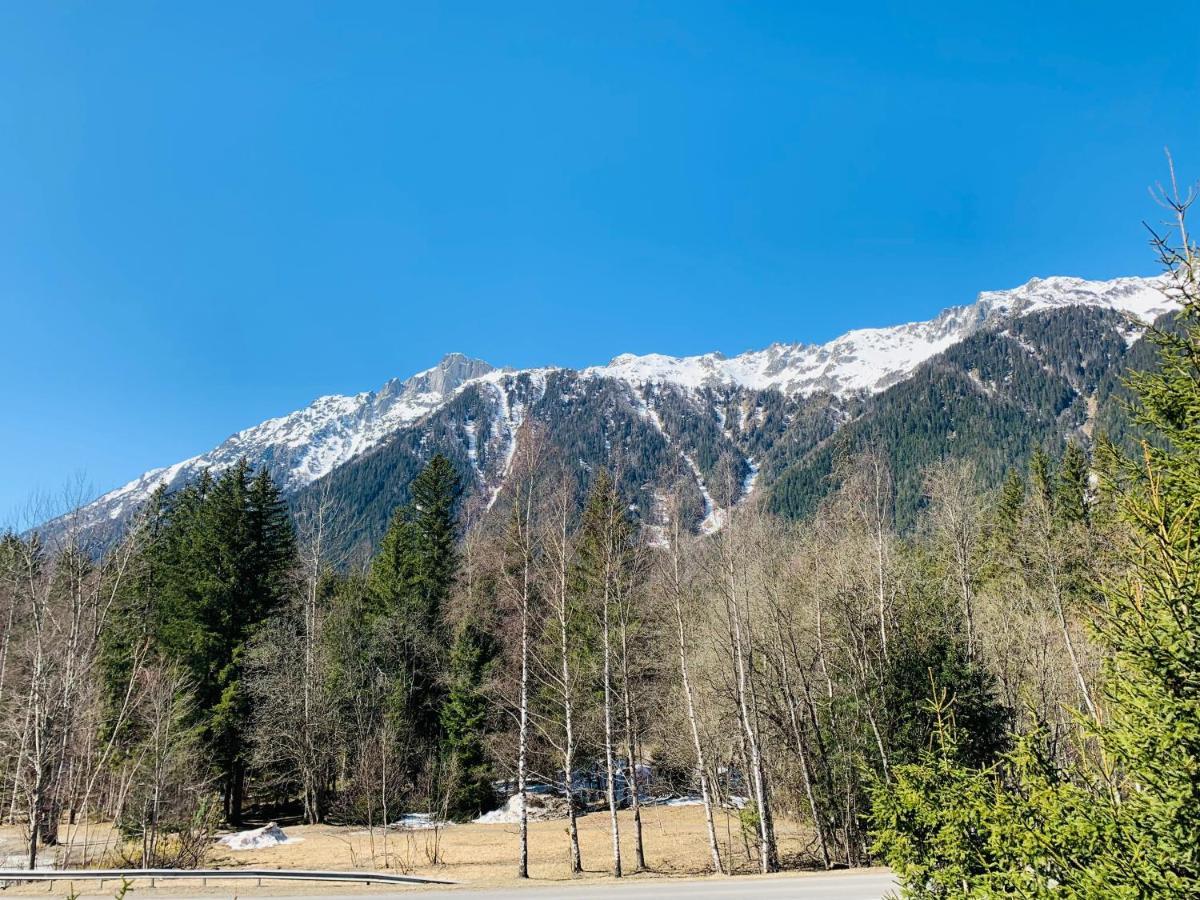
471, 431
505, 429
270, 835
714, 516
750, 480
539, 808
415, 821
512, 414
658, 532
689, 800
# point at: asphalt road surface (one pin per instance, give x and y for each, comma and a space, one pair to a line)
837, 886
848, 886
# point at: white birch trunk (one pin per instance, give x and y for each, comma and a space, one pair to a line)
689, 699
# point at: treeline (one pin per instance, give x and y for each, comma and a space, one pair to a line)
219, 656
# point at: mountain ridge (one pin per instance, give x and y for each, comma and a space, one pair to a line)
310, 443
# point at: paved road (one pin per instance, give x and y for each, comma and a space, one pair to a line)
848, 886
836, 886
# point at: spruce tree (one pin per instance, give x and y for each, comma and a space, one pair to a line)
1012, 499
1071, 487
410, 581
434, 554
464, 717
217, 566
1150, 625
1041, 475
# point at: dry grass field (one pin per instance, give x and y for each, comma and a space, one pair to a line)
674, 838
483, 855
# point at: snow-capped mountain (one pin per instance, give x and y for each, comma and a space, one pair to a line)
305, 445
872, 359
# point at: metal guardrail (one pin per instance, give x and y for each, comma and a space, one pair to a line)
11, 875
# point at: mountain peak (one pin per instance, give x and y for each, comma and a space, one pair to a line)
454, 370
1143, 298
461, 367
451, 372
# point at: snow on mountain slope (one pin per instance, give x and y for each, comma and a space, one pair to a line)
304, 445
873, 359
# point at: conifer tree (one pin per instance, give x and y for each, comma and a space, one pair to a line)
410, 582
1041, 475
219, 564
1150, 625
1071, 487
434, 562
1012, 498
464, 723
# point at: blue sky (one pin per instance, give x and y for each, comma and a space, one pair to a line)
211, 214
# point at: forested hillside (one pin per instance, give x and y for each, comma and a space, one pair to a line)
1038, 381
1045, 379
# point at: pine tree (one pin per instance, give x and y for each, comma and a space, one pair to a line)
218, 565
1006, 521
410, 581
132, 631
1012, 498
1150, 626
1071, 487
434, 562
1041, 475
464, 723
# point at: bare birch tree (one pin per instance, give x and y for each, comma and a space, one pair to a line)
677, 590
955, 519
561, 556
523, 551
733, 557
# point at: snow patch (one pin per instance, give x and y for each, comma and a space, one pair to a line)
270, 835
415, 821
750, 480
688, 800
539, 807
714, 516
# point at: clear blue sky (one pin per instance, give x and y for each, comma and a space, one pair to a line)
211, 213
